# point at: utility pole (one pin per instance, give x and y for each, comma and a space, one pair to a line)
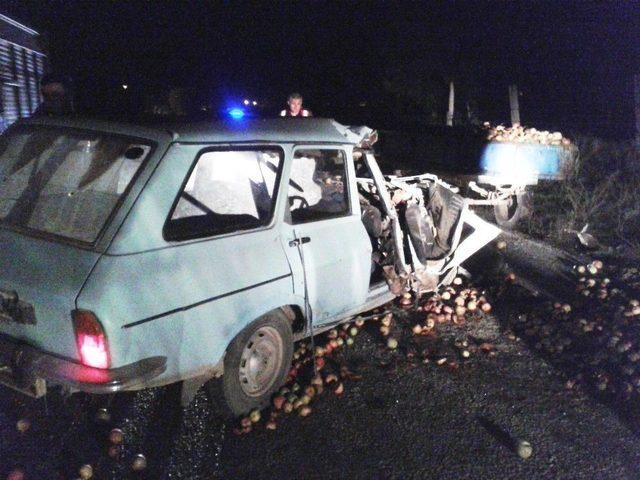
515, 106
451, 104
636, 85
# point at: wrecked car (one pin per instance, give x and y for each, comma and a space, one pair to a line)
135, 257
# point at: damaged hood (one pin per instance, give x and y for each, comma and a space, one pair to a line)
360, 135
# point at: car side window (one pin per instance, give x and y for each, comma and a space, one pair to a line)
227, 191
317, 187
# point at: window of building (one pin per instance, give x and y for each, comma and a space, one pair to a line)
20, 72
10, 102
19, 81
31, 80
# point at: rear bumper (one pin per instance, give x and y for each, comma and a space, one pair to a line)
26, 369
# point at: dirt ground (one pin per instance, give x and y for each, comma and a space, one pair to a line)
534, 373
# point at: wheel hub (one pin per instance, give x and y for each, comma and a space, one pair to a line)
260, 361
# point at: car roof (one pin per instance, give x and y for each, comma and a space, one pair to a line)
85, 123
295, 130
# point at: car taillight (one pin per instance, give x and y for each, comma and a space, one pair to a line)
91, 340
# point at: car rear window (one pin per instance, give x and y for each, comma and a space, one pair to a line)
64, 182
227, 191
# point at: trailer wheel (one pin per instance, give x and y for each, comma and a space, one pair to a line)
517, 207
256, 363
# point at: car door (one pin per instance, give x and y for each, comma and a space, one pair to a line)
325, 240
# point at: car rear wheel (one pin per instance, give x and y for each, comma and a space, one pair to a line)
257, 362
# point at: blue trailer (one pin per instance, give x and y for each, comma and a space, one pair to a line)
518, 160
498, 174
509, 170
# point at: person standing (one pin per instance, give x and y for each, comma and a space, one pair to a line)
57, 98
294, 107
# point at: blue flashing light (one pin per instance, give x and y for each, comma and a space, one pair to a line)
236, 113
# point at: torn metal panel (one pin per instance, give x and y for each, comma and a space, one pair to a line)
389, 210
429, 218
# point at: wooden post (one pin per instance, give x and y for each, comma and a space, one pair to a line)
636, 84
515, 106
451, 104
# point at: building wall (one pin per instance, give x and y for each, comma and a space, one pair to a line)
22, 64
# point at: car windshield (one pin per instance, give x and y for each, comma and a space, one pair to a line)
64, 182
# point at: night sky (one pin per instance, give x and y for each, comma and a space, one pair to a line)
573, 61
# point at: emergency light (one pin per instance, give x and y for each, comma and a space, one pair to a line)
236, 113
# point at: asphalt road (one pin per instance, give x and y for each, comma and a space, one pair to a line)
417, 421
397, 418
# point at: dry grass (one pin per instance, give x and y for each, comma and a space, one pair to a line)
602, 190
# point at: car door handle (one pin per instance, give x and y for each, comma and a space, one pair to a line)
299, 241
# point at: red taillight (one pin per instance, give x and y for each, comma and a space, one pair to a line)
91, 340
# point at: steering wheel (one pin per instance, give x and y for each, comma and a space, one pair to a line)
303, 202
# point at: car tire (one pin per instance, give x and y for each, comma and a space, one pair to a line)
256, 363
508, 215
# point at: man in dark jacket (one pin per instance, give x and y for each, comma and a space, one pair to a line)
57, 97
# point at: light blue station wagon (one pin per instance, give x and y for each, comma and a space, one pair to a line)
135, 257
